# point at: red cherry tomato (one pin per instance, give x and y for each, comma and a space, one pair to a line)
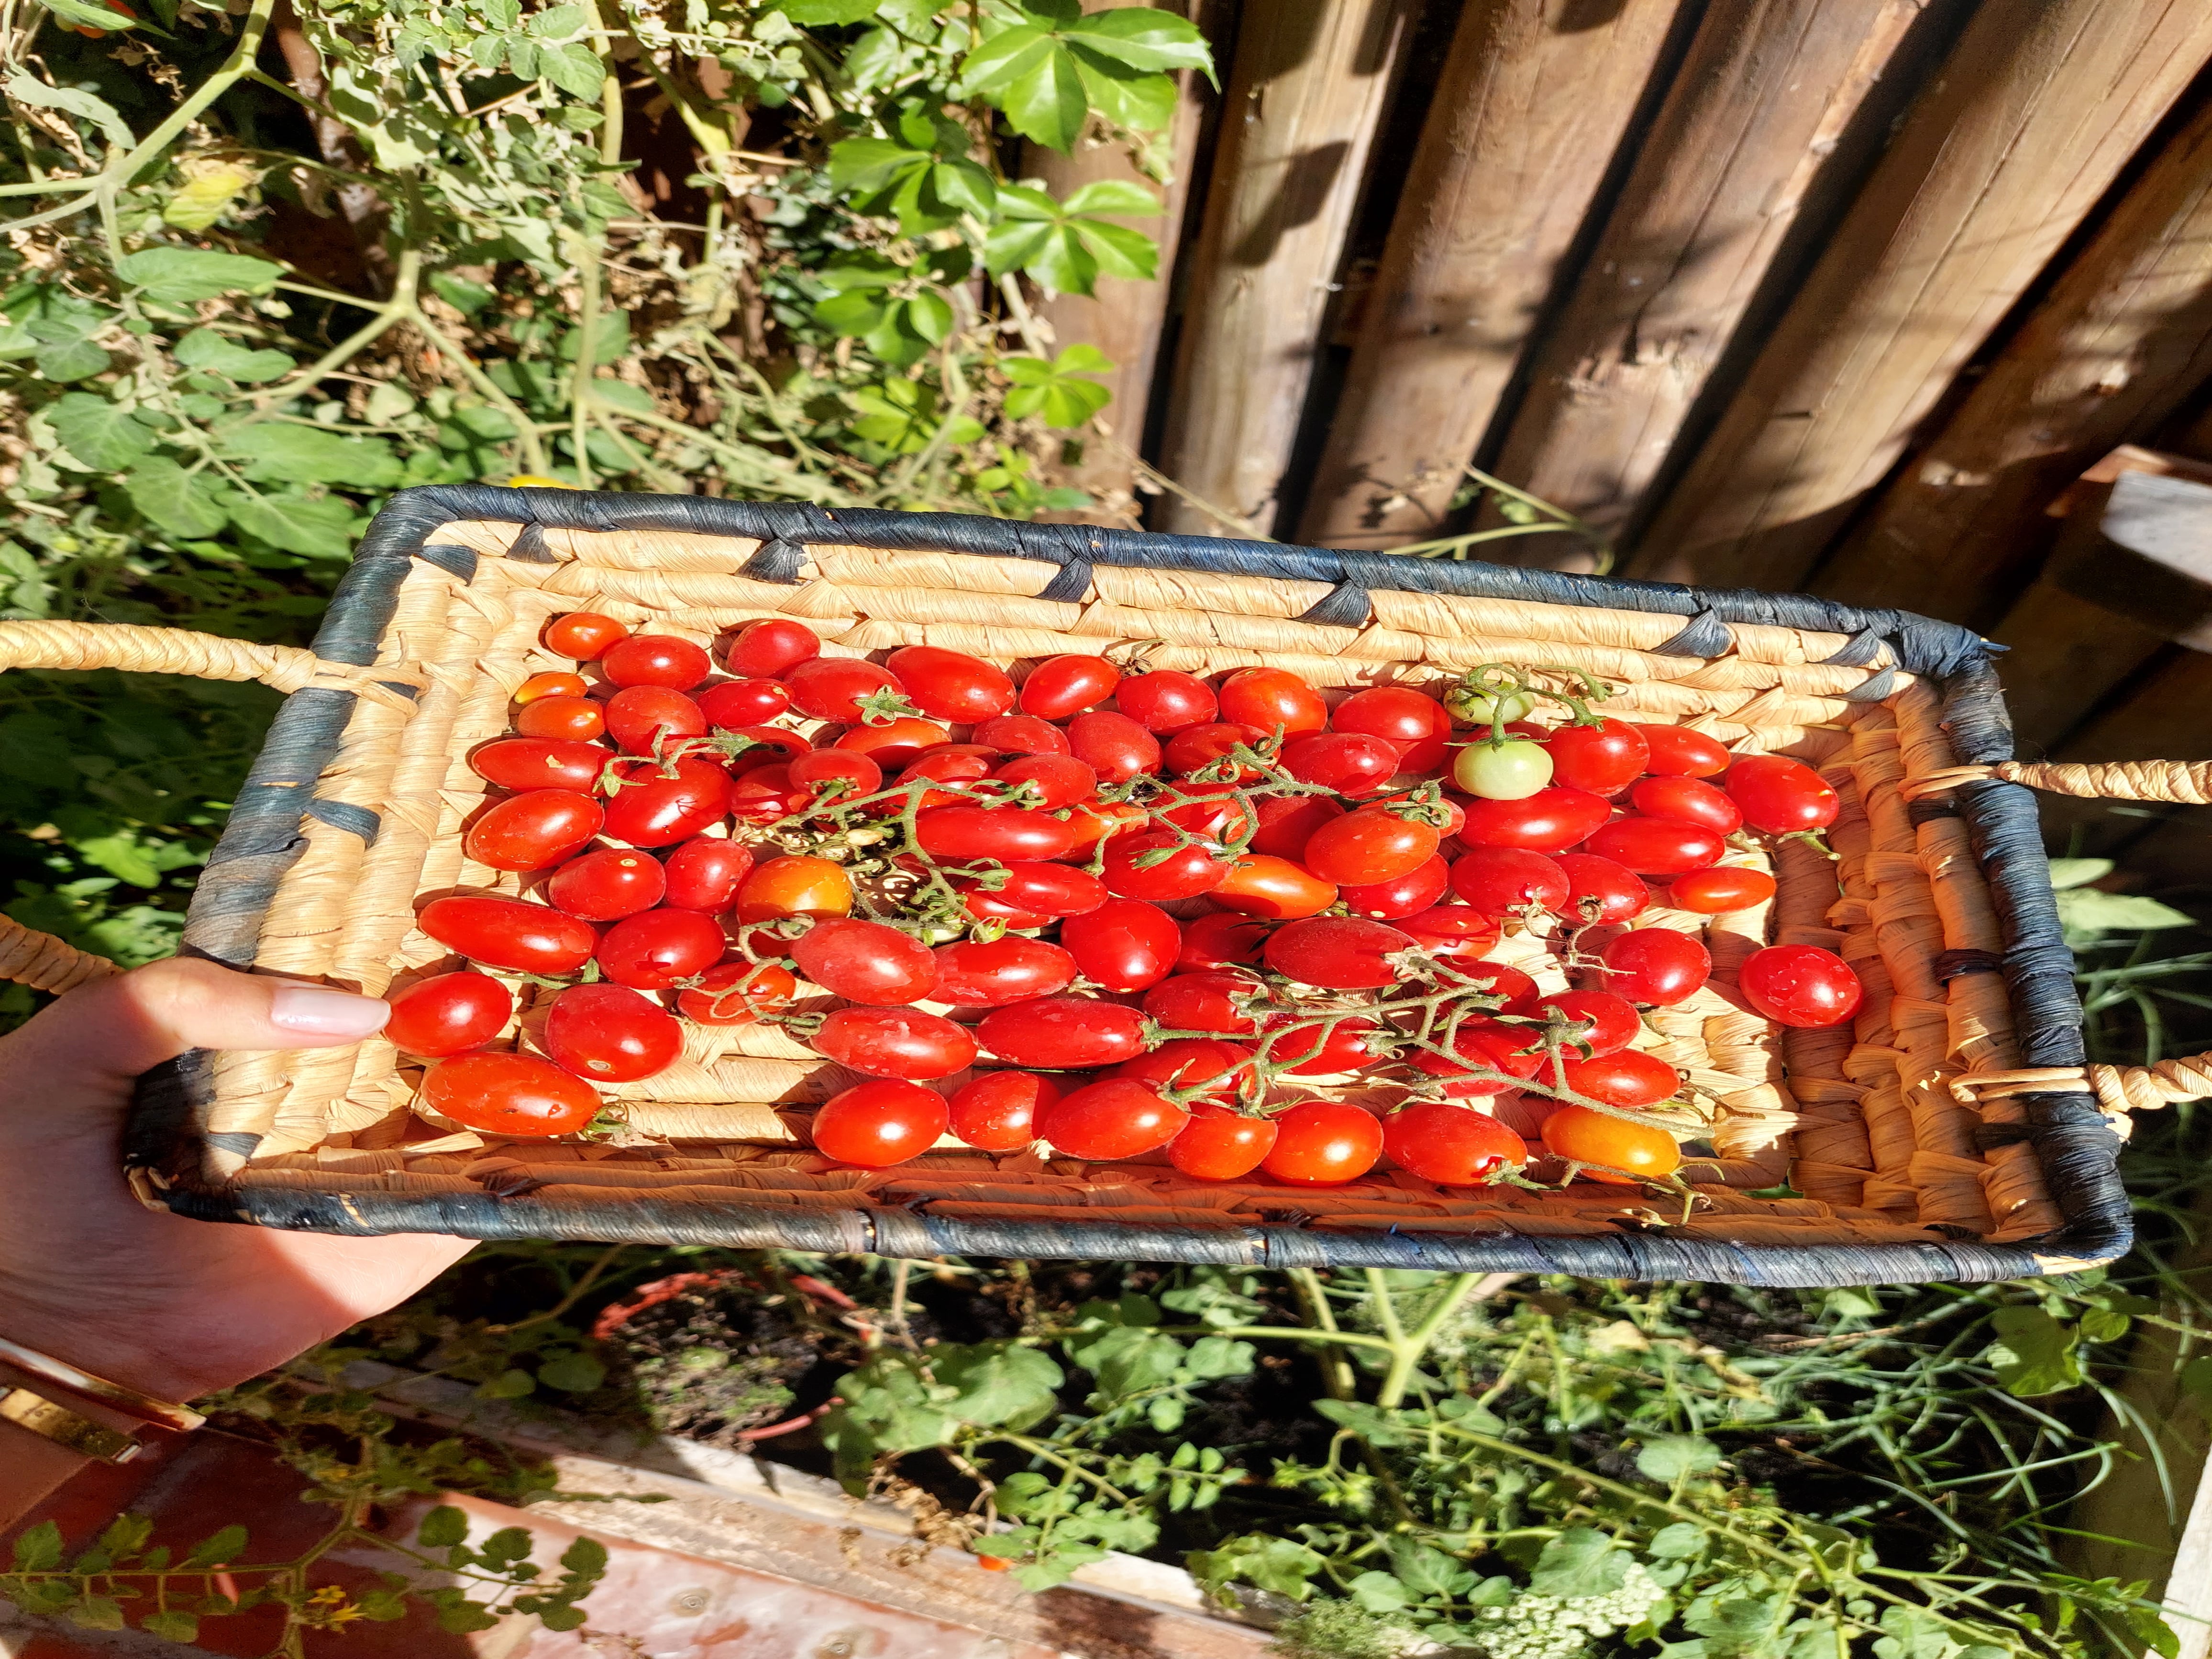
539, 687
705, 874
1411, 722
1097, 820
1053, 782
1350, 763
505, 932
865, 961
1123, 945
1716, 891
1655, 965
1452, 930
1203, 1002
831, 776
1506, 881
610, 1034
744, 702
1550, 821
1652, 847
533, 831
1687, 800
1779, 796
1800, 985
1216, 811
583, 635
1517, 991
1047, 889
1221, 940
1406, 896
895, 1042
1452, 1145
951, 684
1273, 697
573, 719
1361, 848
655, 659
1154, 866
997, 1111
836, 688
959, 833
1577, 1132
651, 809
1187, 1062
1113, 746
1323, 1143
766, 794
895, 743
960, 765
1611, 1022
448, 1014
1603, 759
1117, 1118
1627, 1077
771, 648
763, 746
1288, 823
1497, 1057
644, 718
1318, 1049
1060, 688
1010, 970
1064, 1033
651, 952
1197, 747
515, 1095
1221, 1145
1021, 734
1165, 701
1600, 891
540, 763
607, 885
1677, 752
1339, 953
1454, 814
794, 886
1258, 885
876, 1124
738, 993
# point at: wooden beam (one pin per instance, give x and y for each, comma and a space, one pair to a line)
2124, 338
1308, 89
1530, 109
2040, 105
1760, 104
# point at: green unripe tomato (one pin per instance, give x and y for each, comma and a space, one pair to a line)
1512, 770
1473, 708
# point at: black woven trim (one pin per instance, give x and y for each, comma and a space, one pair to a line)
776, 561
1345, 605
1705, 635
1873, 688
452, 557
1862, 650
344, 815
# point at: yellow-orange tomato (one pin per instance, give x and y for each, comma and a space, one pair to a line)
1588, 1137
550, 685
795, 886
577, 719
1260, 884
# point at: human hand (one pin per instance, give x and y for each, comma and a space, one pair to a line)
171, 1307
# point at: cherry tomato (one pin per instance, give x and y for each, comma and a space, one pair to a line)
744, 702
1221, 940
540, 763
1410, 721
1350, 763
1154, 866
762, 746
1323, 1143
1686, 800
574, 719
1221, 1145
1515, 992
1097, 820
505, 932
997, 1111
1187, 1062
514, 1095
896, 742
1577, 1133
794, 886
738, 993
1600, 891
951, 684
1361, 848
959, 833
655, 659
1217, 810
1062, 687
1627, 1077
610, 1034
1197, 747
771, 648
1488, 1047
1054, 781
583, 635
1339, 953
1123, 946
865, 961
1779, 796
1113, 746
1452, 1145
1655, 965
846, 689
1677, 752
1652, 847
1716, 891
1288, 823
1010, 970
1021, 734
1204, 1002
607, 885
1064, 1033
641, 717
958, 765
1320, 1050
533, 831
1800, 985
1550, 821
1611, 1022
834, 774
1407, 895
651, 809
1603, 758
1273, 697
878, 1123
1166, 700
1463, 702
1512, 769
1115, 1118
1454, 930
538, 687
652, 951
895, 1042
705, 874
766, 794
1454, 814
1045, 889
1506, 881
448, 1014
1259, 885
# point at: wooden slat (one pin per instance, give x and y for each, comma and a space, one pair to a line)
1532, 102
2125, 337
1309, 88
1758, 107
2040, 105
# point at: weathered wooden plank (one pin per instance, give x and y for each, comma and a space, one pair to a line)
1761, 101
2124, 338
1531, 106
2041, 103
1310, 81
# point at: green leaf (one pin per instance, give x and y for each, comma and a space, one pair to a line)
1680, 1541
39, 1549
466, 297
206, 350
2034, 1353
101, 434
587, 1558
1140, 103
313, 529
24, 87
1005, 57
218, 1549
90, 15
1144, 39
1671, 1457
204, 198
572, 1373
871, 163
1046, 103
1120, 196
72, 360
1581, 1561
561, 22
184, 276
2078, 872
171, 1626
962, 185
1282, 1565
827, 14
998, 1384
1378, 1592
2196, 1380
2085, 910
284, 452
443, 1528
929, 314
97, 1613
576, 69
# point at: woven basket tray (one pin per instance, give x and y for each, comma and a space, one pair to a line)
1952, 1134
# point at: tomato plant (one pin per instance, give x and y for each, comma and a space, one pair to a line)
835, 775
448, 1014
1350, 763
1411, 722
509, 933
610, 1034
643, 718
903, 1043
1195, 748
1159, 865
1221, 938
845, 689
1204, 1002
1604, 1023
1486, 1057
1050, 782
883, 1122
1510, 769
1625, 1077
1005, 833
1313, 1048
738, 993
744, 702
515, 1095
1189, 1063
895, 742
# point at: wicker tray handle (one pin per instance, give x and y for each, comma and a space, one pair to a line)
39, 960
2183, 783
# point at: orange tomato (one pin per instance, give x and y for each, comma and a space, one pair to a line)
578, 718
1586, 1137
550, 685
794, 886
1260, 884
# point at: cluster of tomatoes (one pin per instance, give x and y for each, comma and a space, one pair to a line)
1162, 905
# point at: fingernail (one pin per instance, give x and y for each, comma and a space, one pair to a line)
312, 1008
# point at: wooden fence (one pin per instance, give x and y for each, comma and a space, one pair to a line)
1830, 295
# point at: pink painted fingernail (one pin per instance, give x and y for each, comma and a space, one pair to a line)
314, 1010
